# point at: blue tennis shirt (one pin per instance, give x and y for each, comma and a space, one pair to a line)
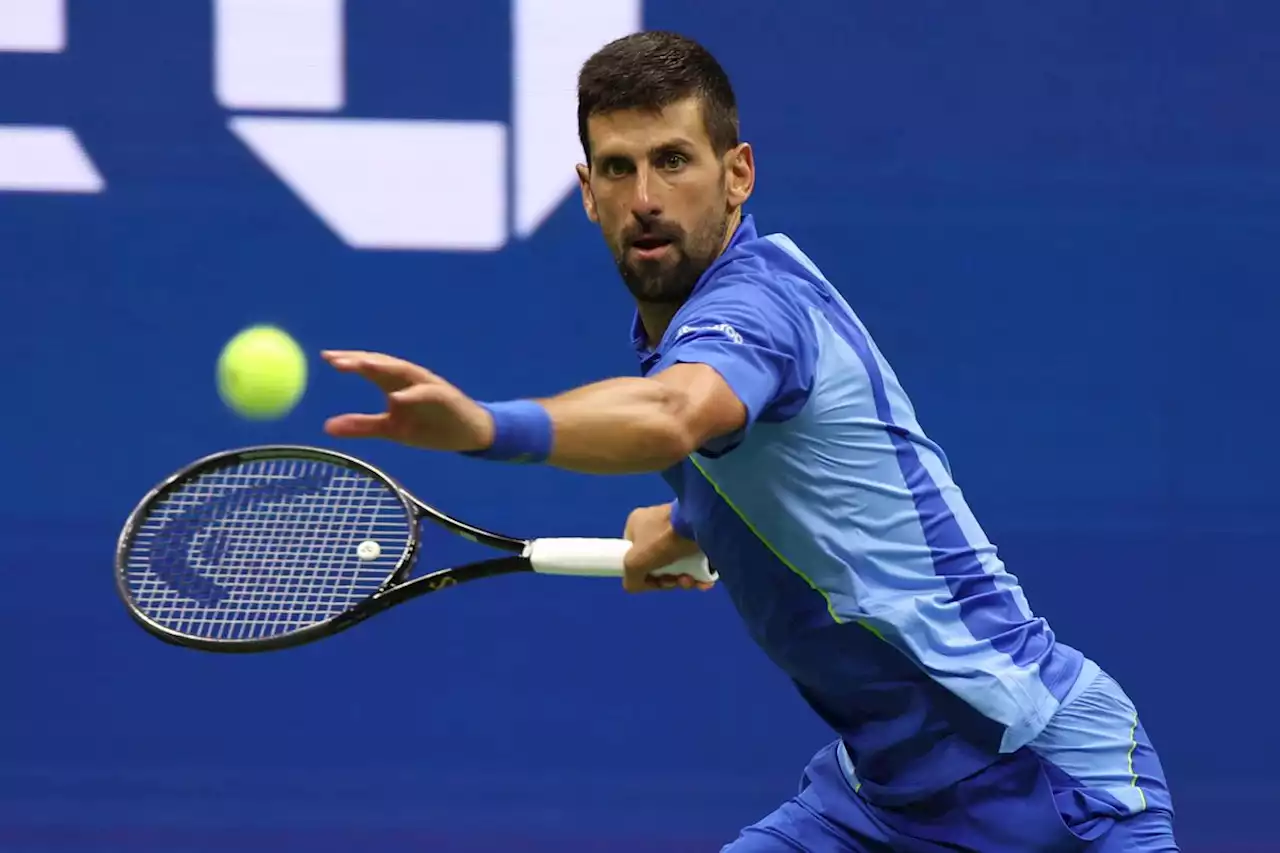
842, 538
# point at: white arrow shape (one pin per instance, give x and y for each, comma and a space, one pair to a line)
388, 184
35, 158
411, 184
551, 39
45, 160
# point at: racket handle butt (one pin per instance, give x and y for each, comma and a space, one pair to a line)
603, 558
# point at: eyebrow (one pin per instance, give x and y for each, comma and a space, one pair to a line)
677, 142
666, 145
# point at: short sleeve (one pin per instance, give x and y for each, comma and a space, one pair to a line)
762, 344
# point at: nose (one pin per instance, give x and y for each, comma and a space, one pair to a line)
645, 203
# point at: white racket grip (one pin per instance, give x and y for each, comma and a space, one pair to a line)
602, 558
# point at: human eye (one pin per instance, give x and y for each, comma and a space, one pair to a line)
672, 161
615, 167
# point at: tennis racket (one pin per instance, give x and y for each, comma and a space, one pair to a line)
269, 547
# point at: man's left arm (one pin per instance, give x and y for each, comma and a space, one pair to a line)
722, 369
732, 359
635, 425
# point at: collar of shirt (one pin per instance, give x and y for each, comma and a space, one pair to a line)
745, 232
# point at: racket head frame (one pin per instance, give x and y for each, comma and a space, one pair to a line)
396, 589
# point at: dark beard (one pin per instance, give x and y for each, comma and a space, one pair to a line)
661, 283
667, 285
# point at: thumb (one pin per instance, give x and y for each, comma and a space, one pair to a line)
636, 565
642, 558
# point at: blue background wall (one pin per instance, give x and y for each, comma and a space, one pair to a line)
1061, 224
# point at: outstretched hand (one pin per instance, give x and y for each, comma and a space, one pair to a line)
423, 410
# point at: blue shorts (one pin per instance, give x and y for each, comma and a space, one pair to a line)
1091, 783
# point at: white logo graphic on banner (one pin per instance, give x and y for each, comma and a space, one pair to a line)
410, 184
36, 158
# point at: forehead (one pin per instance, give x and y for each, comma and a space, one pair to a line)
634, 131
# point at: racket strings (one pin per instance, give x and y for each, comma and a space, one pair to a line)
264, 548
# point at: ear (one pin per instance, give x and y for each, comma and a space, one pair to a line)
588, 198
740, 174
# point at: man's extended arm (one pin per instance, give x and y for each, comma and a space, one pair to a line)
634, 425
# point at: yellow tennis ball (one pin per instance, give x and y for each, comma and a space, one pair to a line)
262, 373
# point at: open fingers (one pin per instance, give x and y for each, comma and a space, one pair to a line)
387, 372
359, 426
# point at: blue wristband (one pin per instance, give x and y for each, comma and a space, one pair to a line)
679, 523
522, 432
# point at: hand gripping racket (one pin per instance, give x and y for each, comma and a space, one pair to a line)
269, 547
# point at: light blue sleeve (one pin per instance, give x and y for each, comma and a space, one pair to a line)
761, 344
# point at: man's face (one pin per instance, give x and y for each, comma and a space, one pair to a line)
661, 196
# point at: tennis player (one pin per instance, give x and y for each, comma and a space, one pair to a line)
800, 469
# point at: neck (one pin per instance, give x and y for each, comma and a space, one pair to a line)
656, 317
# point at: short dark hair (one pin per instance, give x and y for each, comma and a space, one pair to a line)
651, 70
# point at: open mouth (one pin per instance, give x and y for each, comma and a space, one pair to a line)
650, 246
